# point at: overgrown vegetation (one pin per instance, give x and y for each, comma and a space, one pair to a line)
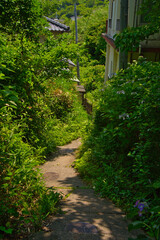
64, 9
39, 110
91, 47
91, 51
120, 154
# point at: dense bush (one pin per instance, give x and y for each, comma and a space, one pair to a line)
39, 110
92, 77
120, 155
42, 84
90, 29
21, 187
84, 7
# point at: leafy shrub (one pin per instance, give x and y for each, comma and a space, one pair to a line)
41, 83
39, 110
61, 103
93, 77
150, 219
122, 148
22, 190
91, 29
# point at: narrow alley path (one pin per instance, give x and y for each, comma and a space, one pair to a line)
85, 216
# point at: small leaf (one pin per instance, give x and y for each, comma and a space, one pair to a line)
24, 193
10, 230
135, 225
156, 184
5, 185
7, 178
156, 209
3, 229
9, 173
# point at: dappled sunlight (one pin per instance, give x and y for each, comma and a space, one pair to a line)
84, 215
64, 150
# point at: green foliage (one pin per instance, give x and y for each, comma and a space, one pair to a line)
91, 29
130, 38
22, 190
7, 94
39, 110
151, 16
20, 16
92, 77
35, 77
61, 103
120, 154
84, 7
49, 7
150, 220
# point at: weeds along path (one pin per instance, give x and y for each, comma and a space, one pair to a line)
84, 215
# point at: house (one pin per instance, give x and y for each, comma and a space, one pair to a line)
122, 14
56, 27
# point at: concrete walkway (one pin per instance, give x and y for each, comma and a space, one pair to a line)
85, 216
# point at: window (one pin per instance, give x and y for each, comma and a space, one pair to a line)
110, 23
118, 25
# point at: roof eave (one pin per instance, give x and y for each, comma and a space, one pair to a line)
109, 40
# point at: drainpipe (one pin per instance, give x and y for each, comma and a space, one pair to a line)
123, 56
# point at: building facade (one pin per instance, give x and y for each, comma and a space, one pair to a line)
150, 48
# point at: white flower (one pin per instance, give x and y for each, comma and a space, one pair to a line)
121, 92
124, 116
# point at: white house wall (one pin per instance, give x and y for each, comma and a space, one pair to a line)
131, 11
112, 62
114, 16
134, 20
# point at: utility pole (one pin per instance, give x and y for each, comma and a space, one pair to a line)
123, 56
75, 15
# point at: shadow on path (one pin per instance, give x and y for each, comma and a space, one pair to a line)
84, 216
60, 152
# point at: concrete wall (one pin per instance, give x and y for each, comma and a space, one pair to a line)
114, 17
112, 62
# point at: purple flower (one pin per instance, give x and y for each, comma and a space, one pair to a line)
137, 203
141, 206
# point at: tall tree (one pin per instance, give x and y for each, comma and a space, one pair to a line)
20, 16
49, 7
